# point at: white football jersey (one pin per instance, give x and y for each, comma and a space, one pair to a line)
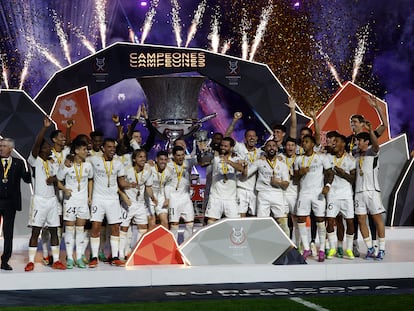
367, 171
76, 179
142, 179
60, 157
43, 170
180, 177
341, 188
290, 163
313, 181
223, 184
266, 172
105, 179
248, 182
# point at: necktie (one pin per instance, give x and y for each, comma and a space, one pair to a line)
5, 164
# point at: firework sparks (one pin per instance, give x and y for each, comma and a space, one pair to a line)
49, 56
264, 19
85, 41
198, 15
329, 63
226, 46
176, 21
4, 72
245, 27
360, 51
62, 36
149, 20
214, 35
100, 11
132, 36
25, 70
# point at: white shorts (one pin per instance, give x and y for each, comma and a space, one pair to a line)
247, 201
109, 208
74, 209
368, 202
159, 207
271, 202
44, 212
340, 206
306, 203
181, 207
217, 207
291, 200
136, 213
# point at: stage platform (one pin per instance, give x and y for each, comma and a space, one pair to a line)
398, 263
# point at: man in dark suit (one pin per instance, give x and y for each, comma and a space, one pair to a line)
12, 170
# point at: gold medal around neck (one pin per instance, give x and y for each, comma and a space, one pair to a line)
361, 173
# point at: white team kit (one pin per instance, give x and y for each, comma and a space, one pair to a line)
367, 190
178, 191
339, 198
270, 199
223, 193
105, 200
311, 185
43, 209
160, 179
76, 178
246, 193
137, 212
291, 192
59, 158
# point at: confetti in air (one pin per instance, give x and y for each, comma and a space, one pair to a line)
176, 21
100, 11
261, 29
245, 27
198, 15
360, 50
149, 20
63, 39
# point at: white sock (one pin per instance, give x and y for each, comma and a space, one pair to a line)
349, 241
188, 230
174, 231
79, 241
303, 232
140, 233
59, 234
381, 244
69, 241
45, 236
368, 242
55, 252
129, 241
122, 243
32, 253
322, 234
95, 246
331, 239
114, 241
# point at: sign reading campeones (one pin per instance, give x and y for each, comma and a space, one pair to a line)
176, 60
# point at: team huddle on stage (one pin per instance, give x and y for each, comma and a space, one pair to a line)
96, 187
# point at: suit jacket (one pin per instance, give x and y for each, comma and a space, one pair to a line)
10, 191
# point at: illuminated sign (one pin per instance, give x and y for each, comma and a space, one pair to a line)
167, 60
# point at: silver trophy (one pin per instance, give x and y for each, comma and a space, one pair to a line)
173, 104
204, 151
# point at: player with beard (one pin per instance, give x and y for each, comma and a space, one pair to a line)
272, 181
339, 198
43, 210
77, 176
108, 175
223, 194
249, 153
310, 169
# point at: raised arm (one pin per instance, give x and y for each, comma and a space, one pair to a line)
69, 125
40, 136
293, 118
373, 101
312, 114
374, 139
236, 117
149, 143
